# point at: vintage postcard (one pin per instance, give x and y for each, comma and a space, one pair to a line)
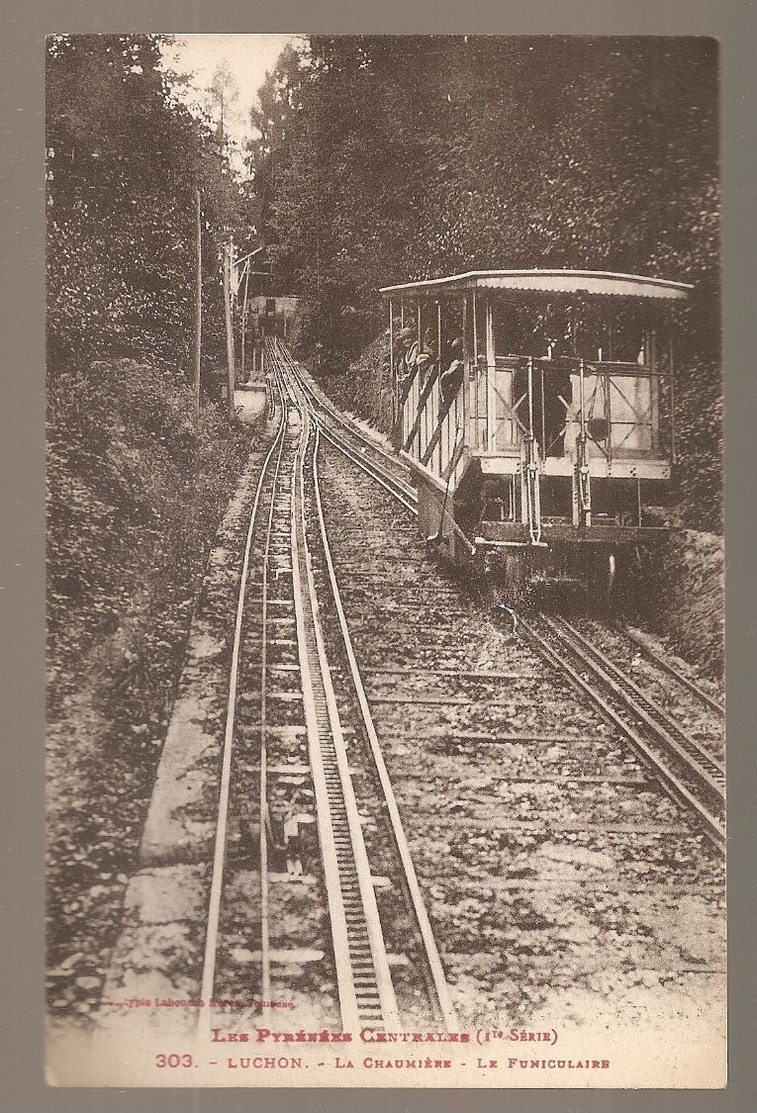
385, 729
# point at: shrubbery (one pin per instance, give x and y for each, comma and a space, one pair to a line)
135, 493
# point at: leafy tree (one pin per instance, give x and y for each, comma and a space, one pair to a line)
124, 158
223, 93
267, 149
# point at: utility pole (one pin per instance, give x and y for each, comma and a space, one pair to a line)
228, 256
247, 260
244, 316
198, 305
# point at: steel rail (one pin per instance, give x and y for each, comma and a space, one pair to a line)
693, 687
437, 978
383, 476
333, 412
673, 783
388, 482
365, 988
265, 935
216, 888
656, 717
433, 959
370, 980
324, 406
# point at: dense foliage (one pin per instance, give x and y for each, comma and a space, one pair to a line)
383, 159
135, 492
136, 482
124, 159
129, 469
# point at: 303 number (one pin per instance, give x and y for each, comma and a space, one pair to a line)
174, 1060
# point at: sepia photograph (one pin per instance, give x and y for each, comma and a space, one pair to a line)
385, 565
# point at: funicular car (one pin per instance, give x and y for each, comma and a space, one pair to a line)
535, 409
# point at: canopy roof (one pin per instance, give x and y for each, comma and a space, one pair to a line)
604, 283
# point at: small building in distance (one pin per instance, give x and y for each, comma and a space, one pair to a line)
273, 315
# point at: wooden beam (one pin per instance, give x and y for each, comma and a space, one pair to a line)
437, 432
421, 403
454, 460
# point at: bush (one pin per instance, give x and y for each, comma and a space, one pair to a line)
134, 495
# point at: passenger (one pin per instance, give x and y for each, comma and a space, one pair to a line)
452, 378
409, 350
428, 355
430, 345
424, 363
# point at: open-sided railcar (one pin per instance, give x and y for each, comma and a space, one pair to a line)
535, 409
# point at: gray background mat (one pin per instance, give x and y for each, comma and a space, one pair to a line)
22, 1088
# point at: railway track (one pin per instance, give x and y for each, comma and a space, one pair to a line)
363, 451
286, 600
518, 782
666, 666
607, 792
266, 492
684, 766
371, 689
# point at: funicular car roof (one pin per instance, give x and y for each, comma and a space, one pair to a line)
602, 283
